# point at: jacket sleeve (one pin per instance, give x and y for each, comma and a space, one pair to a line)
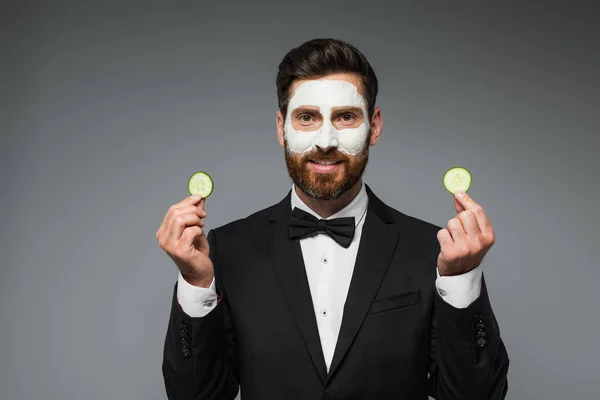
468, 360
199, 358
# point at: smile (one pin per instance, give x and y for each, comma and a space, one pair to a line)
324, 166
325, 162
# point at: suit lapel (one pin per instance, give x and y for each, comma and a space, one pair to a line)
377, 244
288, 263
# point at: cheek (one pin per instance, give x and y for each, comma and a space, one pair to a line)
299, 142
352, 141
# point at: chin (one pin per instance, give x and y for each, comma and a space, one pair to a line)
325, 186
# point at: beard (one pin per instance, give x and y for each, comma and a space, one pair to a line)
326, 186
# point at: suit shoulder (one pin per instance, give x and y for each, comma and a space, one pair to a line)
404, 221
251, 223
420, 237
413, 223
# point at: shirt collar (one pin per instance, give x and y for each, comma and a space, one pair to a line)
356, 208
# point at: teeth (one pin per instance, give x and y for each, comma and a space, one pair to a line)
325, 162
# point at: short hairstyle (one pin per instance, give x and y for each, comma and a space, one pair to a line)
320, 57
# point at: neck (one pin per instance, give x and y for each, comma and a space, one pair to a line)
326, 208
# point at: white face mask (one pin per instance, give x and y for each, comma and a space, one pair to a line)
326, 94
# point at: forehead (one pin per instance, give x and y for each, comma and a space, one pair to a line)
333, 89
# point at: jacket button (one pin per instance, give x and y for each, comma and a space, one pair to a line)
480, 326
479, 318
184, 342
186, 353
481, 342
481, 334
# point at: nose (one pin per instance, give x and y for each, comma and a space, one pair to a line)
327, 137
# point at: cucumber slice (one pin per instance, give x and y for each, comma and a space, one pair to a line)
457, 178
200, 183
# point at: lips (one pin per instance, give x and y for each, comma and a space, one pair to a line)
324, 168
325, 162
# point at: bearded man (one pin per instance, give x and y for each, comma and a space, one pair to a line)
330, 293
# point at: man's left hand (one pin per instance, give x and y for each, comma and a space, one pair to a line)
466, 239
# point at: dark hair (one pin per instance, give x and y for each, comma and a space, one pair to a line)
319, 57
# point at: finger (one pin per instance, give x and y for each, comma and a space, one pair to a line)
464, 199
185, 228
165, 226
457, 206
181, 210
456, 231
202, 203
189, 236
180, 222
188, 201
189, 210
444, 238
469, 204
469, 222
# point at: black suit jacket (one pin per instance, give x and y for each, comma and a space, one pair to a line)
398, 339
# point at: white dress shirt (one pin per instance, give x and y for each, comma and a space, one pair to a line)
329, 268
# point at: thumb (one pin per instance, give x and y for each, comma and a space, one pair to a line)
459, 207
202, 204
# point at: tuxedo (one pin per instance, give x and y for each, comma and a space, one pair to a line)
398, 338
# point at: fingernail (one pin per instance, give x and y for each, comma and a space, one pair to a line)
196, 197
459, 194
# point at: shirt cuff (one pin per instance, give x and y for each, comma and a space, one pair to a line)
460, 290
196, 301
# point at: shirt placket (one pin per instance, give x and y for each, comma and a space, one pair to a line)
325, 259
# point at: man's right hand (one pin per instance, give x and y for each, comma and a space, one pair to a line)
181, 236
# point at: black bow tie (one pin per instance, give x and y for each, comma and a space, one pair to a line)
303, 224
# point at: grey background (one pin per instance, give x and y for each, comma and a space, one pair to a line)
106, 108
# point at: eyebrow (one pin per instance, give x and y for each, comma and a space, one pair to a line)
306, 110
345, 109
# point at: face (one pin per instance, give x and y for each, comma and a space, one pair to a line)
326, 135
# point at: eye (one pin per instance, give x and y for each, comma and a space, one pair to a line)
348, 118
305, 118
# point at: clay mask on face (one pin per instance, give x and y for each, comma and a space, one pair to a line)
326, 94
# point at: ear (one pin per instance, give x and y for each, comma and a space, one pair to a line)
279, 121
376, 126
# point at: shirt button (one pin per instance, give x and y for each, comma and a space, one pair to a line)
324, 313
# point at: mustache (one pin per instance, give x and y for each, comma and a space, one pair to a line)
333, 156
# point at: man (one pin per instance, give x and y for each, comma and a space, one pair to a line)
330, 293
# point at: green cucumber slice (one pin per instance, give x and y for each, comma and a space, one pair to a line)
457, 178
200, 183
